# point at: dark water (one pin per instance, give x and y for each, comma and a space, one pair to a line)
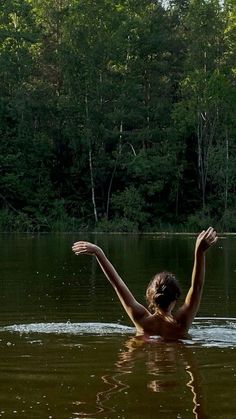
64, 353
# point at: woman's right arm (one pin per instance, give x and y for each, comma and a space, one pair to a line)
135, 311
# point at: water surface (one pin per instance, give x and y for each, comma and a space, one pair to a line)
68, 350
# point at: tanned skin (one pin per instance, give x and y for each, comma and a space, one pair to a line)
162, 323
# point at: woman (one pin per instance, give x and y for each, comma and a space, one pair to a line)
162, 292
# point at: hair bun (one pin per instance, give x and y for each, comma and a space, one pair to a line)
159, 297
162, 289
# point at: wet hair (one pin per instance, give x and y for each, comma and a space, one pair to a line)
162, 290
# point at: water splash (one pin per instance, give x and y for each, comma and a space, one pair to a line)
71, 328
205, 331
214, 332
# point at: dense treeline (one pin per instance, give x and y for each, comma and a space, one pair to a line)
117, 115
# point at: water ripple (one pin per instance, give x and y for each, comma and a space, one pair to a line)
71, 328
205, 331
214, 332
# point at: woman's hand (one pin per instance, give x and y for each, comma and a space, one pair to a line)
206, 239
86, 248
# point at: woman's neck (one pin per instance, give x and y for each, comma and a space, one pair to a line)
164, 313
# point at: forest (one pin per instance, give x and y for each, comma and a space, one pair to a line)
117, 115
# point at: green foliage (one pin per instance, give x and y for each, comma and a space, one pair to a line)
18, 222
129, 206
117, 115
199, 221
228, 221
117, 225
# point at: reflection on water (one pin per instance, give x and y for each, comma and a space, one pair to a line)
68, 375
63, 357
163, 358
95, 368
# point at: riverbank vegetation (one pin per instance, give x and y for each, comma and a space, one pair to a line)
117, 115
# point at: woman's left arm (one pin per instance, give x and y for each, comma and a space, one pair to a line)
185, 315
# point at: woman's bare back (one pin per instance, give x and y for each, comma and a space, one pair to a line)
162, 325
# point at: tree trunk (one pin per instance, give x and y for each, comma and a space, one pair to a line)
90, 157
226, 169
114, 170
200, 159
92, 186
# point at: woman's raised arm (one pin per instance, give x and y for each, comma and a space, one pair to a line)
186, 313
135, 311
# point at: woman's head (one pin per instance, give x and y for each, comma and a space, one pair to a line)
162, 290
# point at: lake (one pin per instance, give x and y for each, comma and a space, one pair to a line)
67, 349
